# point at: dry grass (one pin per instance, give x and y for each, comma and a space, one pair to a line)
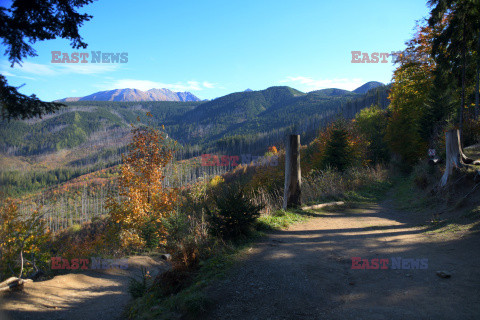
271, 201
323, 185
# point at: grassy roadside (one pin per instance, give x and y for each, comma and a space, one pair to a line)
450, 210
280, 219
192, 301
374, 192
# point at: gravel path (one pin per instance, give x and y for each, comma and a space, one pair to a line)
305, 272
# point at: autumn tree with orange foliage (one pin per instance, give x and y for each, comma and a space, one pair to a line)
412, 81
144, 201
272, 150
339, 145
21, 240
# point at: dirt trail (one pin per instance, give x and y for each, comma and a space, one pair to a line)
305, 272
300, 273
93, 294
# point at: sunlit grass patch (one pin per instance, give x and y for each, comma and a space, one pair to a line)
280, 219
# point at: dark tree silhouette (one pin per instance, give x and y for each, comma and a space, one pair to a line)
452, 49
32, 21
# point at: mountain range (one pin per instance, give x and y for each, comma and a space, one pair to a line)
245, 121
135, 95
89, 135
274, 108
168, 95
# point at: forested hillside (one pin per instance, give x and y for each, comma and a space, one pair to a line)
244, 115
84, 122
87, 136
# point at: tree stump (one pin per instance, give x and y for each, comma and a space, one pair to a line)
455, 158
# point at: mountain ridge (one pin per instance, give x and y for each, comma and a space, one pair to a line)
264, 116
130, 94
368, 86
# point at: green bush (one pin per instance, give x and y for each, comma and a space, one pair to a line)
372, 123
233, 215
138, 288
173, 281
340, 152
184, 241
149, 234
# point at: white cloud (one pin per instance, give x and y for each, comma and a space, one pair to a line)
191, 85
310, 84
148, 84
60, 69
88, 68
35, 68
209, 85
8, 74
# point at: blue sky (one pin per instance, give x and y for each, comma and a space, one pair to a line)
212, 48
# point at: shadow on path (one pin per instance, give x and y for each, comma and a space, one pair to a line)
305, 272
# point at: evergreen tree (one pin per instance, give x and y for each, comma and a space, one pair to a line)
337, 151
437, 109
453, 47
35, 20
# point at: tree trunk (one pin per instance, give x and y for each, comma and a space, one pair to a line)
21, 260
476, 90
455, 158
477, 87
293, 177
464, 62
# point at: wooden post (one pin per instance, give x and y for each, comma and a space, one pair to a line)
293, 177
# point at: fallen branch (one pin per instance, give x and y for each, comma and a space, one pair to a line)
13, 283
323, 205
